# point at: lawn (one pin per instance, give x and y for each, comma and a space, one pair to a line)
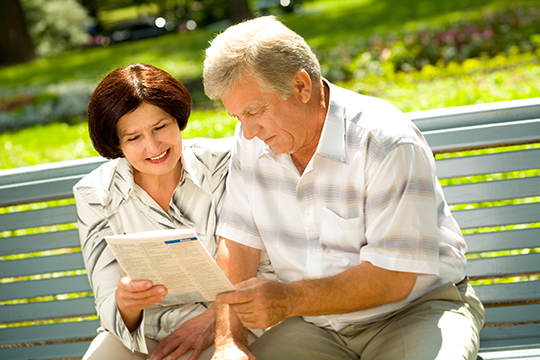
351, 39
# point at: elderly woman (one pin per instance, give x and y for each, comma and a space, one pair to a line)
155, 181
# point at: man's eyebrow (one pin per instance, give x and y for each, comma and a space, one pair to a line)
244, 112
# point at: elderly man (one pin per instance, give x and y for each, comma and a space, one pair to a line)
340, 190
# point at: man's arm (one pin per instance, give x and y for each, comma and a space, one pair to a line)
261, 303
239, 263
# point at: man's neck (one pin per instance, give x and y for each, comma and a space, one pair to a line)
302, 157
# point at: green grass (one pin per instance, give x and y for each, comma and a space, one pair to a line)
325, 24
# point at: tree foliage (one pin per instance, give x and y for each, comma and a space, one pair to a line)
56, 25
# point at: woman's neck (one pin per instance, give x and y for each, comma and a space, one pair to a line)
161, 187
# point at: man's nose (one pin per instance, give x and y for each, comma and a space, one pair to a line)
251, 128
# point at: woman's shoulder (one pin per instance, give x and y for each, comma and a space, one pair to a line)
98, 182
212, 153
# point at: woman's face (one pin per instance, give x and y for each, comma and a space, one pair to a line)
150, 140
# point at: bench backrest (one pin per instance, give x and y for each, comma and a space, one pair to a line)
45, 292
495, 198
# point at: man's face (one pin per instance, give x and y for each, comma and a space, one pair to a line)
283, 124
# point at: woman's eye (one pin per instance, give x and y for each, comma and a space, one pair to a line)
132, 138
161, 127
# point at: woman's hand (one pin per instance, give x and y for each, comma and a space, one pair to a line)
196, 334
133, 296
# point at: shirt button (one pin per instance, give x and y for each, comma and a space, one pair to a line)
306, 214
315, 251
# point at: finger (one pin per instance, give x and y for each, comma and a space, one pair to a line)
195, 354
167, 349
247, 283
133, 285
181, 350
154, 293
242, 308
236, 297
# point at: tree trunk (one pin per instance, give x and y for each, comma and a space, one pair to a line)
239, 10
92, 6
16, 45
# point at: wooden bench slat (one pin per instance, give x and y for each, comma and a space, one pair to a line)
498, 216
488, 164
513, 314
41, 265
524, 349
54, 170
492, 191
511, 292
477, 137
47, 310
44, 287
478, 114
49, 332
41, 217
503, 332
39, 242
43, 352
503, 265
38, 191
502, 240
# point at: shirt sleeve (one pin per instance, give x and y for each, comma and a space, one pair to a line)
236, 220
103, 271
401, 211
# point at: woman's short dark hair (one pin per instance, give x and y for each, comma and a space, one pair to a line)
123, 91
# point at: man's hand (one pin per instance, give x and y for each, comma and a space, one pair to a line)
259, 303
196, 334
133, 296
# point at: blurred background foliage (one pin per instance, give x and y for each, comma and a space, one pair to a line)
420, 55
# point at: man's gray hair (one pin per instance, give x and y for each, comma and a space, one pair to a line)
263, 47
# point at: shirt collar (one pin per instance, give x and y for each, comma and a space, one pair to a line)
332, 141
124, 183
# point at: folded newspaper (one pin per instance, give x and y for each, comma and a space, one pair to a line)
173, 258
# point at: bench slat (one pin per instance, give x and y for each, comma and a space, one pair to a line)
488, 164
38, 191
498, 216
513, 314
478, 114
45, 287
49, 332
492, 191
41, 265
55, 351
500, 337
500, 293
41, 217
503, 265
503, 240
521, 132
54, 170
47, 310
39, 242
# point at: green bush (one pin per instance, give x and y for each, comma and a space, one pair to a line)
56, 25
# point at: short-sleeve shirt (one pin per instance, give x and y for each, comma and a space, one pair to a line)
369, 193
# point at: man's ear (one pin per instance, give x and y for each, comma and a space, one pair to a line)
302, 85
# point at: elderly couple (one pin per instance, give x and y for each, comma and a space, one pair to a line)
333, 226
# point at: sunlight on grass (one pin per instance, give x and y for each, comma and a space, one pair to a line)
49, 321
